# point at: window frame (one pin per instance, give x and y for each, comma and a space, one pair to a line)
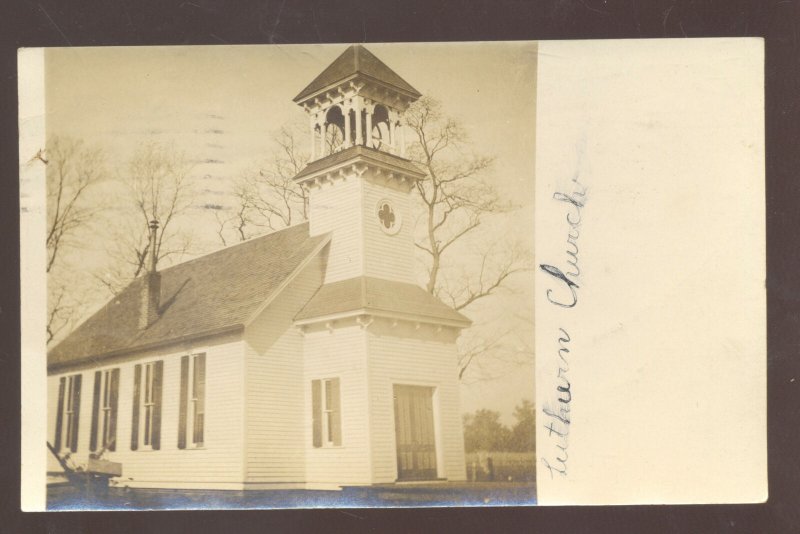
148, 394
327, 417
105, 410
192, 402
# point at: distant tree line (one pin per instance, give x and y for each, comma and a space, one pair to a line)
483, 430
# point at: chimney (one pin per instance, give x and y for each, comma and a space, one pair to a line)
151, 285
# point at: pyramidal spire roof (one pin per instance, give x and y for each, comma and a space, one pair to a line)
354, 62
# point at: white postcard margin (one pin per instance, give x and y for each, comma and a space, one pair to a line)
651, 388
33, 287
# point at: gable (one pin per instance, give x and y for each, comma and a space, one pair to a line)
209, 295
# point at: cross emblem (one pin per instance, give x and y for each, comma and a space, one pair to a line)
386, 215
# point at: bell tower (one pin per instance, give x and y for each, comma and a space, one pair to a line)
384, 344
358, 178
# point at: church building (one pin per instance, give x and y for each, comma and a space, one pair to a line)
305, 358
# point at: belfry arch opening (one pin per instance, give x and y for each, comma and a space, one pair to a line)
380, 128
334, 130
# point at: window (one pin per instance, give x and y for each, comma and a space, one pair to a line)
147, 382
104, 410
191, 417
69, 410
326, 412
388, 217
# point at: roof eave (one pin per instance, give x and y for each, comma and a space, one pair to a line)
230, 329
306, 95
409, 317
358, 157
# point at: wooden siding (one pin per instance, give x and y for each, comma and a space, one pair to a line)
329, 354
404, 355
336, 207
275, 425
388, 256
348, 208
219, 461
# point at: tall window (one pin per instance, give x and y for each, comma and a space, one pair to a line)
104, 410
147, 385
191, 417
69, 410
326, 412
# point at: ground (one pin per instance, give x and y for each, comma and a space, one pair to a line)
405, 495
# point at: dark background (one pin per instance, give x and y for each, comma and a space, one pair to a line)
169, 22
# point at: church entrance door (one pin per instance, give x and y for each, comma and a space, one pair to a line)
416, 441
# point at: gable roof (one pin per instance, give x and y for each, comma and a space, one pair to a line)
211, 294
376, 295
356, 60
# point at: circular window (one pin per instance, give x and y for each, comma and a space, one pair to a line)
388, 217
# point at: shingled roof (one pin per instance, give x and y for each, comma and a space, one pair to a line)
376, 295
354, 61
211, 294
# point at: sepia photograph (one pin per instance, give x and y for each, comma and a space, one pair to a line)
292, 276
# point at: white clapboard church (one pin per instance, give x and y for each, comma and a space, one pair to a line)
306, 358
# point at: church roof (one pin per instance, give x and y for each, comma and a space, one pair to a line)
355, 61
376, 295
211, 294
361, 153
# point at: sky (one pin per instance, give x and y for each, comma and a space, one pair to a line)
223, 104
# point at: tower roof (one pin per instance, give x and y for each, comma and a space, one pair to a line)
356, 62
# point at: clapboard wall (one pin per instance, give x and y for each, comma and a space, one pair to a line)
217, 464
275, 411
406, 354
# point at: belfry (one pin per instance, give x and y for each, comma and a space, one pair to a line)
370, 319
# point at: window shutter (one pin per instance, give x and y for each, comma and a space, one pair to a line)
137, 386
76, 403
114, 401
199, 391
95, 411
59, 414
184, 399
336, 418
316, 409
157, 381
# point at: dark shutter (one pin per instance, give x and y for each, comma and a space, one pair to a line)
157, 380
137, 386
184, 398
59, 414
199, 392
114, 402
95, 410
316, 410
335, 407
76, 408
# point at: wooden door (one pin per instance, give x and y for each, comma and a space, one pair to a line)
416, 441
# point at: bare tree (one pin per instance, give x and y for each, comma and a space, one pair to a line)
73, 170
268, 199
160, 187
456, 199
